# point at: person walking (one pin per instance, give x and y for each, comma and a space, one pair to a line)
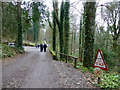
41, 47
45, 46
36, 45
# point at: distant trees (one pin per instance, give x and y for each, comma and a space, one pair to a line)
19, 17
35, 18
112, 17
38, 12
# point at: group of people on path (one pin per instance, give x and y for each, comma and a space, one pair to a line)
42, 46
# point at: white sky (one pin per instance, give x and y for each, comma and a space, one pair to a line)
78, 6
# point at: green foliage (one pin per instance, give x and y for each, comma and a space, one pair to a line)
84, 69
78, 66
91, 69
35, 11
7, 51
108, 55
38, 16
20, 50
110, 81
9, 22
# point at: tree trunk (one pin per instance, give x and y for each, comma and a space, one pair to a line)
115, 42
0, 22
54, 32
89, 25
66, 28
19, 34
61, 31
80, 40
72, 43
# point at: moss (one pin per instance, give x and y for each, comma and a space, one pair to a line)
52, 52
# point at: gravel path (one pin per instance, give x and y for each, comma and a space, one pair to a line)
37, 70
71, 77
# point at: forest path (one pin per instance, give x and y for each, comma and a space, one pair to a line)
37, 69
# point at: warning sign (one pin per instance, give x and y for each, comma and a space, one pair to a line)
99, 61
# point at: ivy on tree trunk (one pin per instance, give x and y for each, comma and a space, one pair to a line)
89, 26
19, 34
66, 27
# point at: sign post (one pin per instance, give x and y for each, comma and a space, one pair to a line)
99, 64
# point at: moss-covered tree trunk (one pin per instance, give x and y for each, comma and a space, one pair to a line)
89, 26
55, 15
19, 33
66, 27
0, 22
80, 40
54, 32
60, 25
61, 30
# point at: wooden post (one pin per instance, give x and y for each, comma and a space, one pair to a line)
66, 59
99, 80
75, 62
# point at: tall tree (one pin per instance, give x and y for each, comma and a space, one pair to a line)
89, 26
61, 30
35, 17
60, 23
55, 13
80, 39
19, 34
66, 27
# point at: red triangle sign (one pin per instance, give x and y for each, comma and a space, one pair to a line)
99, 61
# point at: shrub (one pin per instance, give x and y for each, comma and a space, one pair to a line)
20, 50
7, 51
10, 51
